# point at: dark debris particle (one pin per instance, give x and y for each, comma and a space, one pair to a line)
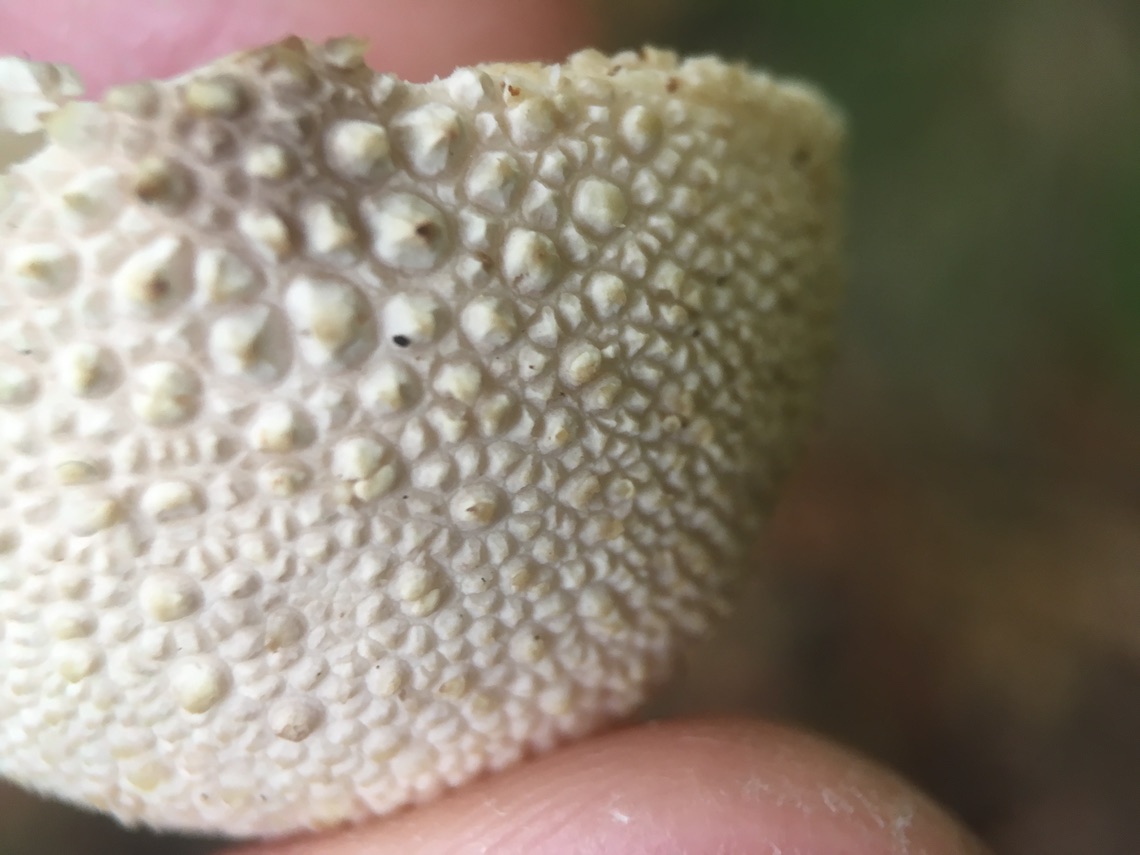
672, 85
401, 340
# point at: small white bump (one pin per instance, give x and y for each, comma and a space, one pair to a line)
634, 263
386, 678
163, 183
389, 389
283, 628
607, 293
554, 167
345, 53
602, 395
461, 381
269, 161
357, 458
669, 279
268, 233
138, 99
476, 506
454, 688
451, 422
77, 660
541, 206
597, 603
431, 137
199, 684
67, 622
296, 719
530, 261
166, 394
328, 229
279, 429
559, 429
580, 491
284, 481
89, 515
215, 96
377, 484
168, 596
91, 199
168, 501
18, 386
469, 87
493, 181
249, 343
412, 319
145, 774
72, 473
599, 206
581, 364
42, 269
476, 232
221, 276
332, 321
413, 583
532, 121
531, 362
359, 150
408, 233
495, 413
528, 646
647, 189
640, 129
685, 203
155, 277
489, 323
87, 370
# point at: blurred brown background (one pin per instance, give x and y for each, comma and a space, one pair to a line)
952, 583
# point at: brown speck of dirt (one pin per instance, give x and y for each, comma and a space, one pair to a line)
672, 85
513, 90
427, 231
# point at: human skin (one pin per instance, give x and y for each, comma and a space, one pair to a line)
715, 786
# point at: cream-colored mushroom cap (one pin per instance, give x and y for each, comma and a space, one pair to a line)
358, 437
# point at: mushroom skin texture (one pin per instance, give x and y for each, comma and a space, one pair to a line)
359, 437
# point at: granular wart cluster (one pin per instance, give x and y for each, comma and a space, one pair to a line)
358, 436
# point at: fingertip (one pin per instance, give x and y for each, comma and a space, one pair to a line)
706, 786
431, 37
112, 41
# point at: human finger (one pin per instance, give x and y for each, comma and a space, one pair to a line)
112, 41
732, 786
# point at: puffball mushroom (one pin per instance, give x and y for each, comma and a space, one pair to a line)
359, 437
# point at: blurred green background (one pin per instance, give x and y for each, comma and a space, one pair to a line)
952, 583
